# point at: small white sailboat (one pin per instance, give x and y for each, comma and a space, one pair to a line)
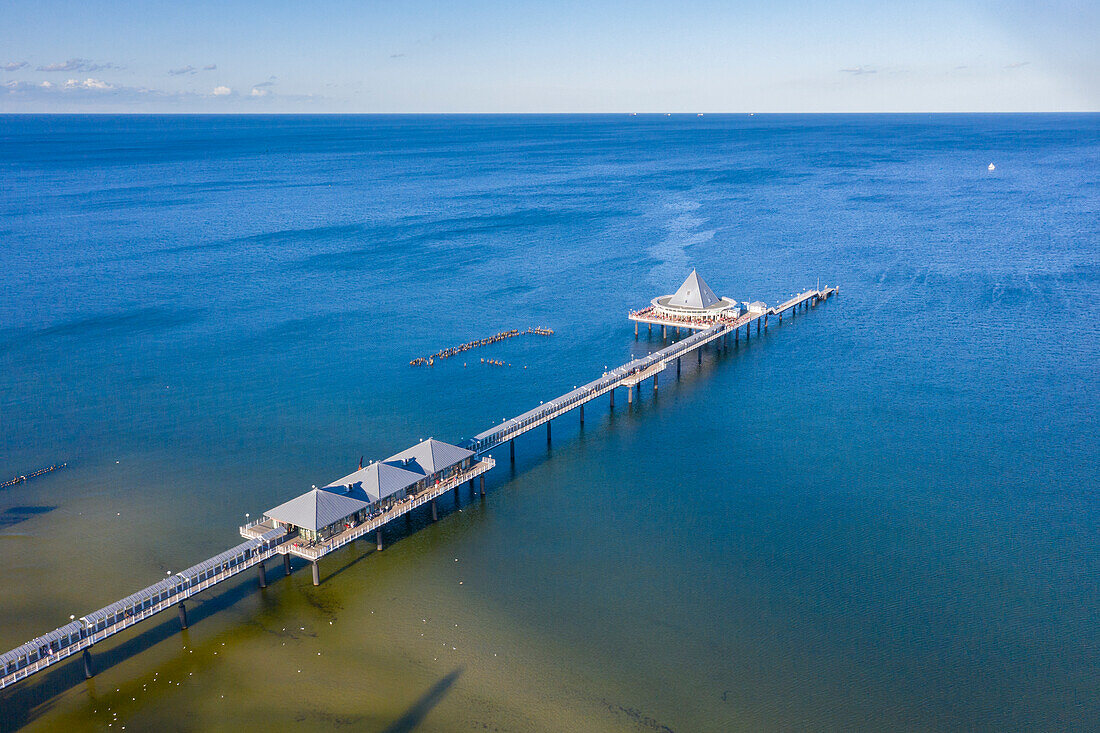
992, 167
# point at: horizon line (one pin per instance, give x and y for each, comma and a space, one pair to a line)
540, 114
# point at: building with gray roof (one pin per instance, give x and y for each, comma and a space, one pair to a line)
377, 482
318, 513
433, 459
695, 300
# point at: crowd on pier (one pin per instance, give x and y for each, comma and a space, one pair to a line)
454, 350
668, 319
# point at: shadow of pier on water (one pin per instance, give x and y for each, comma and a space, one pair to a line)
420, 709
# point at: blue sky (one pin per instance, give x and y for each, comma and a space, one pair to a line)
570, 56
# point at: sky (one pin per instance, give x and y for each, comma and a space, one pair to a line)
416, 56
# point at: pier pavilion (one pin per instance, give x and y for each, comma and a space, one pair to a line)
379, 484
694, 306
433, 459
317, 514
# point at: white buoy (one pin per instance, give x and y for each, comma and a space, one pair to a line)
992, 167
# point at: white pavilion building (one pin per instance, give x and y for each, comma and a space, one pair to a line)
693, 302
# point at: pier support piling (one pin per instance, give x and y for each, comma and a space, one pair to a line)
757, 326
435, 511
89, 665
286, 563
630, 395
699, 355
677, 367
582, 415
183, 616
765, 324
482, 488
378, 539
316, 573
635, 330
262, 571
547, 432
654, 382
612, 393
458, 498
512, 449
663, 333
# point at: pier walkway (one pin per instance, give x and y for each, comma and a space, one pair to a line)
265, 540
79, 635
628, 375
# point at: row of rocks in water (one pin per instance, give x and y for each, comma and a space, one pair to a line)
29, 476
454, 350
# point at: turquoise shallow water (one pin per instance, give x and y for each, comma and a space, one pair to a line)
882, 515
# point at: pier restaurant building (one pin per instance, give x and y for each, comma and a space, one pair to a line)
322, 513
434, 460
695, 300
318, 514
379, 484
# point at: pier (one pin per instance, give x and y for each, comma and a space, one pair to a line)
321, 521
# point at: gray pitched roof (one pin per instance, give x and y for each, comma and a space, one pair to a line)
375, 482
429, 456
316, 509
694, 293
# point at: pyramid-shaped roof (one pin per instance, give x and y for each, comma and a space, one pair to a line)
375, 482
316, 509
429, 456
694, 293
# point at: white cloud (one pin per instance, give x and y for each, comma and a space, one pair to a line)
77, 65
14, 66
88, 83
222, 91
189, 69
259, 92
209, 67
46, 85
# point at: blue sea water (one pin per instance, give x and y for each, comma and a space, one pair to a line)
883, 514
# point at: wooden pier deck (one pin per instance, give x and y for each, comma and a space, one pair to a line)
265, 541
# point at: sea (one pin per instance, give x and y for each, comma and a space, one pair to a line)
881, 514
